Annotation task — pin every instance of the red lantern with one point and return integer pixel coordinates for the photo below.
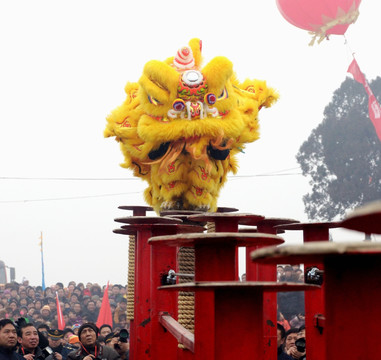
(320, 17)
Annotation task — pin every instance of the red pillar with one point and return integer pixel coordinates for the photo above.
(353, 290)
(314, 304)
(136, 211)
(266, 272)
(241, 310)
(211, 263)
(145, 325)
(142, 316)
(228, 222)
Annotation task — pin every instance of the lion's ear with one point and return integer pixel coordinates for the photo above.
(159, 80)
(196, 46)
(217, 72)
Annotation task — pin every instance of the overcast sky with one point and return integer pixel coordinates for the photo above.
(63, 67)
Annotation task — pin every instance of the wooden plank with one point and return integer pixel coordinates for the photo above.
(313, 225)
(316, 251)
(182, 335)
(240, 239)
(255, 285)
(273, 221)
(147, 220)
(239, 218)
(366, 219)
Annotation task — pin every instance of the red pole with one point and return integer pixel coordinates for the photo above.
(266, 272)
(352, 293)
(163, 259)
(142, 308)
(228, 222)
(141, 343)
(206, 269)
(136, 211)
(314, 304)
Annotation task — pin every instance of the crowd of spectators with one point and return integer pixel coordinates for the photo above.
(79, 303)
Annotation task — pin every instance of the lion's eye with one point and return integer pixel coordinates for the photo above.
(178, 105)
(153, 101)
(224, 94)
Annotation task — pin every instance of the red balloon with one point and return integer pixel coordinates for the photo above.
(321, 17)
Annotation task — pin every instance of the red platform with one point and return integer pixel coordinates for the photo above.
(352, 293)
(236, 329)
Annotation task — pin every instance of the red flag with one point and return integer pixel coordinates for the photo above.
(373, 105)
(61, 321)
(105, 315)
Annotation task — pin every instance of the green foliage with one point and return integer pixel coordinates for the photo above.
(342, 155)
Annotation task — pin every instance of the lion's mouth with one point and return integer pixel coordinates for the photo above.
(192, 110)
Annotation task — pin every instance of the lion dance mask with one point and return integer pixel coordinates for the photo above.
(181, 127)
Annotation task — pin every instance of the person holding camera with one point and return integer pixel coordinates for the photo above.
(295, 344)
(33, 345)
(90, 349)
(281, 335)
(122, 346)
(300, 342)
(8, 341)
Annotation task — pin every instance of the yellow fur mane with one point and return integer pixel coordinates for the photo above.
(178, 122)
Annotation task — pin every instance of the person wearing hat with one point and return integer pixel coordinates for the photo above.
(55, 337)
(75, 328)
(74, 341)
(46, 313)
(56, 342)
(111, 340)
(90, 349)
(122, 345)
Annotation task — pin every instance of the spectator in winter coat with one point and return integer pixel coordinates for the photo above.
(281, 334)
(29, 340)
(90, 350)
(8, 341)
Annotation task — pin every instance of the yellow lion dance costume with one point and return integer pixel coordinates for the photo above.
(181, 127)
